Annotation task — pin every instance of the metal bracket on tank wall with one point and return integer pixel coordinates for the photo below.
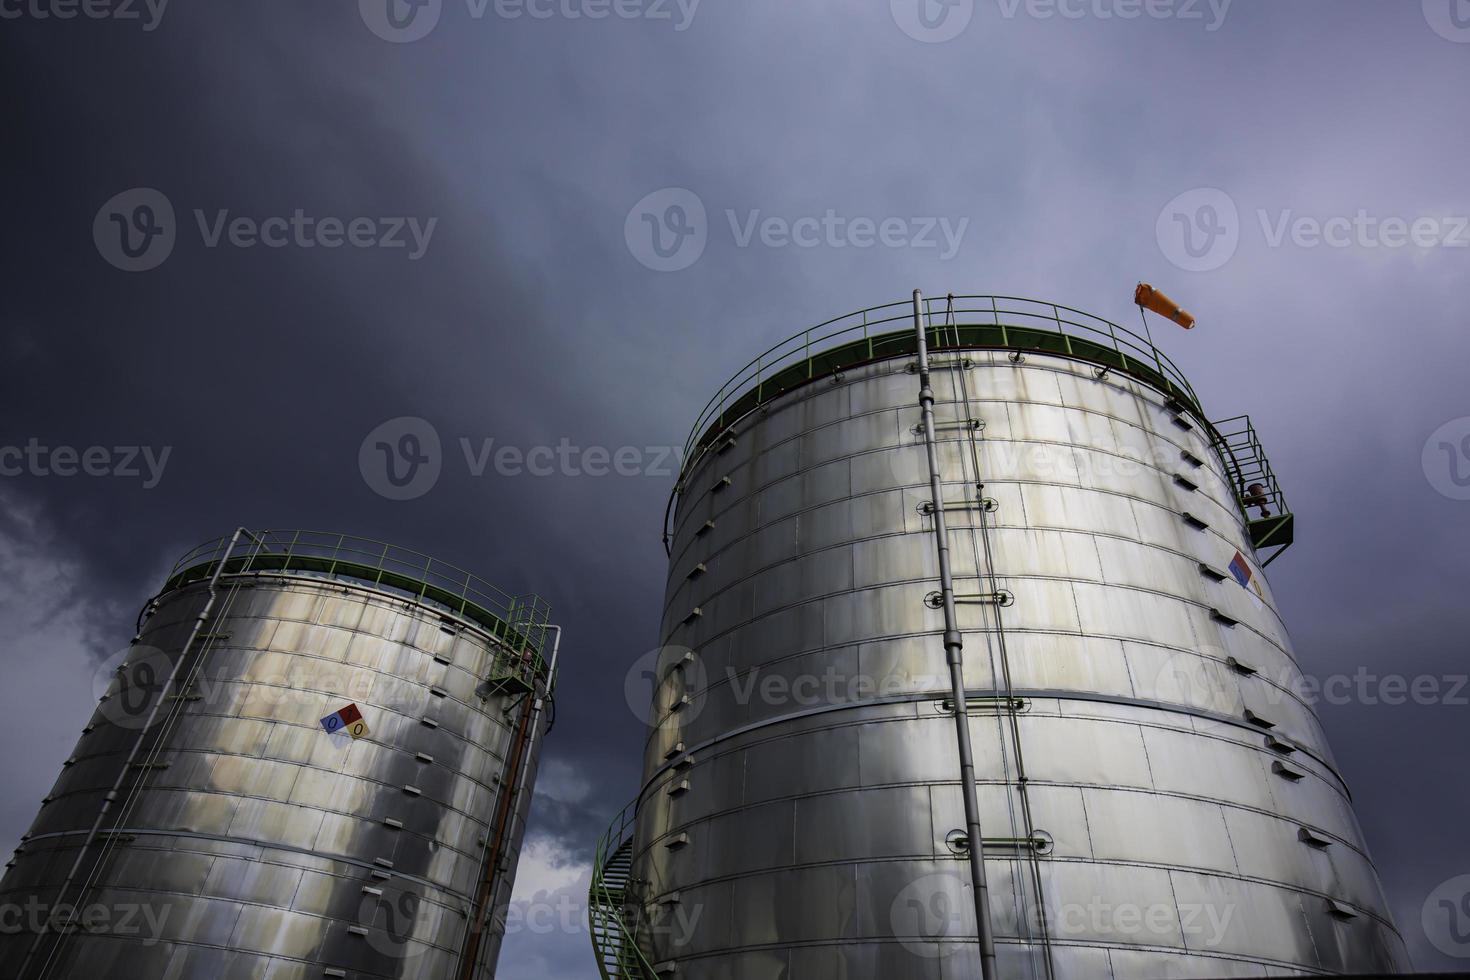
(1041, 842)
(995, 703)
(988, 504)
(1004, 598)
(972, 425)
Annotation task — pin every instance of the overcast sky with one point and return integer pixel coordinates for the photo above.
(1293, 172)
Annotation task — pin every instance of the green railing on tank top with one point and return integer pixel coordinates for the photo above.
(519, 622)
(985, 322)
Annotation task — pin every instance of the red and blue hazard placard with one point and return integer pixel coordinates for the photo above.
(345, 725)
(1246, 576)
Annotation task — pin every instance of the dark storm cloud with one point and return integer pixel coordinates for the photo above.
(528, 320)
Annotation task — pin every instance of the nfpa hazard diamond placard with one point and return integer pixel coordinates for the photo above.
(346, 724)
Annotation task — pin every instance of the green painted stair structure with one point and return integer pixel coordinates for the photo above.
(615, 916)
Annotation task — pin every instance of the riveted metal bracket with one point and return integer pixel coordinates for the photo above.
(1040, 842)
(988, 504)
(935, 363)
(1017, 705)
(1003, 598)
(972, 425)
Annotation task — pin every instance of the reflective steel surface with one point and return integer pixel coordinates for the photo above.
(251, 843)
(1156, 792)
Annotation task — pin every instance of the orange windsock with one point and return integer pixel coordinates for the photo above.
(1150, 298)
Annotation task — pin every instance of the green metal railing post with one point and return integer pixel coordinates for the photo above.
(1056, 315)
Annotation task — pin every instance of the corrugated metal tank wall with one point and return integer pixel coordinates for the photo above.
(802, 784)
(256, 845)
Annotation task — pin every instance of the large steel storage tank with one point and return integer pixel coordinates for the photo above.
(316, 759)
(1155, 793)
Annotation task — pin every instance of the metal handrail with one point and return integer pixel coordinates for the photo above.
(606, 909)
(522, 622)
(1029, 316)
(1251, 464)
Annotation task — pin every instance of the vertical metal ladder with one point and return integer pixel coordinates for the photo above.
(1004, 703)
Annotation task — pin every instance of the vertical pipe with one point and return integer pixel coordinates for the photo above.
(511, 791)
(1148, 333)
(539, 706)
(127, 765)
(954, 653)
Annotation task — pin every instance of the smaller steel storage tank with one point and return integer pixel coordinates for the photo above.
(316, 759)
